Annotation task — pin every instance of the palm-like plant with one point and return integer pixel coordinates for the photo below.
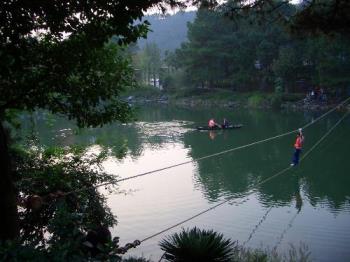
(198, 245)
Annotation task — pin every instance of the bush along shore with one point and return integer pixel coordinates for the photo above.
(207, 245)
(194, 98)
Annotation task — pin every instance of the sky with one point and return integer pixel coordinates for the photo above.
(193, 8)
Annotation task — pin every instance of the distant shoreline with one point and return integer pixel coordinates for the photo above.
(247, 100)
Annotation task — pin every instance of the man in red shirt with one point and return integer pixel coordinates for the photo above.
(297, 146)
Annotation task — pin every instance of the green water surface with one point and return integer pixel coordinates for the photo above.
(308, 204)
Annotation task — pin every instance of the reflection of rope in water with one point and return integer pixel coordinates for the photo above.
(192, 217)
(290, 224)
(256, 227)
(162, 257)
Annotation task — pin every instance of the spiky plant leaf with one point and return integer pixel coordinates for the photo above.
(198, 245)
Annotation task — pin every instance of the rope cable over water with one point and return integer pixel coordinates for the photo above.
(215, 154)
(289, 225)
(249, 192)
(253, 188)
(324, 136)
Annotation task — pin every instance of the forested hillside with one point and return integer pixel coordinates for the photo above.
(249, 54)
(167, 32)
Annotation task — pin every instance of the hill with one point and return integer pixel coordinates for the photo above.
(168, 32)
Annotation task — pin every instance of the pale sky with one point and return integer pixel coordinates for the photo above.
(193, 8)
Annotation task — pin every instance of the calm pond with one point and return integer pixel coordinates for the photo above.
(308, 204)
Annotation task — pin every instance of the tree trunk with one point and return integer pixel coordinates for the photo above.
(9, 226)
(154, 80)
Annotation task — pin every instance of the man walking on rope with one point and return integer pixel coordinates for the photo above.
(298, 146)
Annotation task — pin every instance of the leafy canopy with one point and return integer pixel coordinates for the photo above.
(53, 55)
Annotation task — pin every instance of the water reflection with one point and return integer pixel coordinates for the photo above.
(232, 174)
(165, 136)
(235, 172)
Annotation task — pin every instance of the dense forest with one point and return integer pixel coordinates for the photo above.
(250, 53)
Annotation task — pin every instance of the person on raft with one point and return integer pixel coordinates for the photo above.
(225, 124)
(212, 124)
(297, 147)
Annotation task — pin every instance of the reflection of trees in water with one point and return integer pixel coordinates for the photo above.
(54, 130)
(118, 138)
(218, 174)
(235, 172)
(328, 183)
(281, 190)
(324, 171)
(169, 113)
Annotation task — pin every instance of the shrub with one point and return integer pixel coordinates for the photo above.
(255, 100)
(59, 222)
(300, 253)
(197, 245)
(279, 85)
(276, 101)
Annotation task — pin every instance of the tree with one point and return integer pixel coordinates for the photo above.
(322, 16)
(55, 226)
(208, 53)
(310, 17)
(287, 66)
(223, 53)
(151, 62)
(330, 62)
(253, 48)
(53, 55)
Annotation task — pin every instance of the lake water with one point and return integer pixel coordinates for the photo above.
(308, 204)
